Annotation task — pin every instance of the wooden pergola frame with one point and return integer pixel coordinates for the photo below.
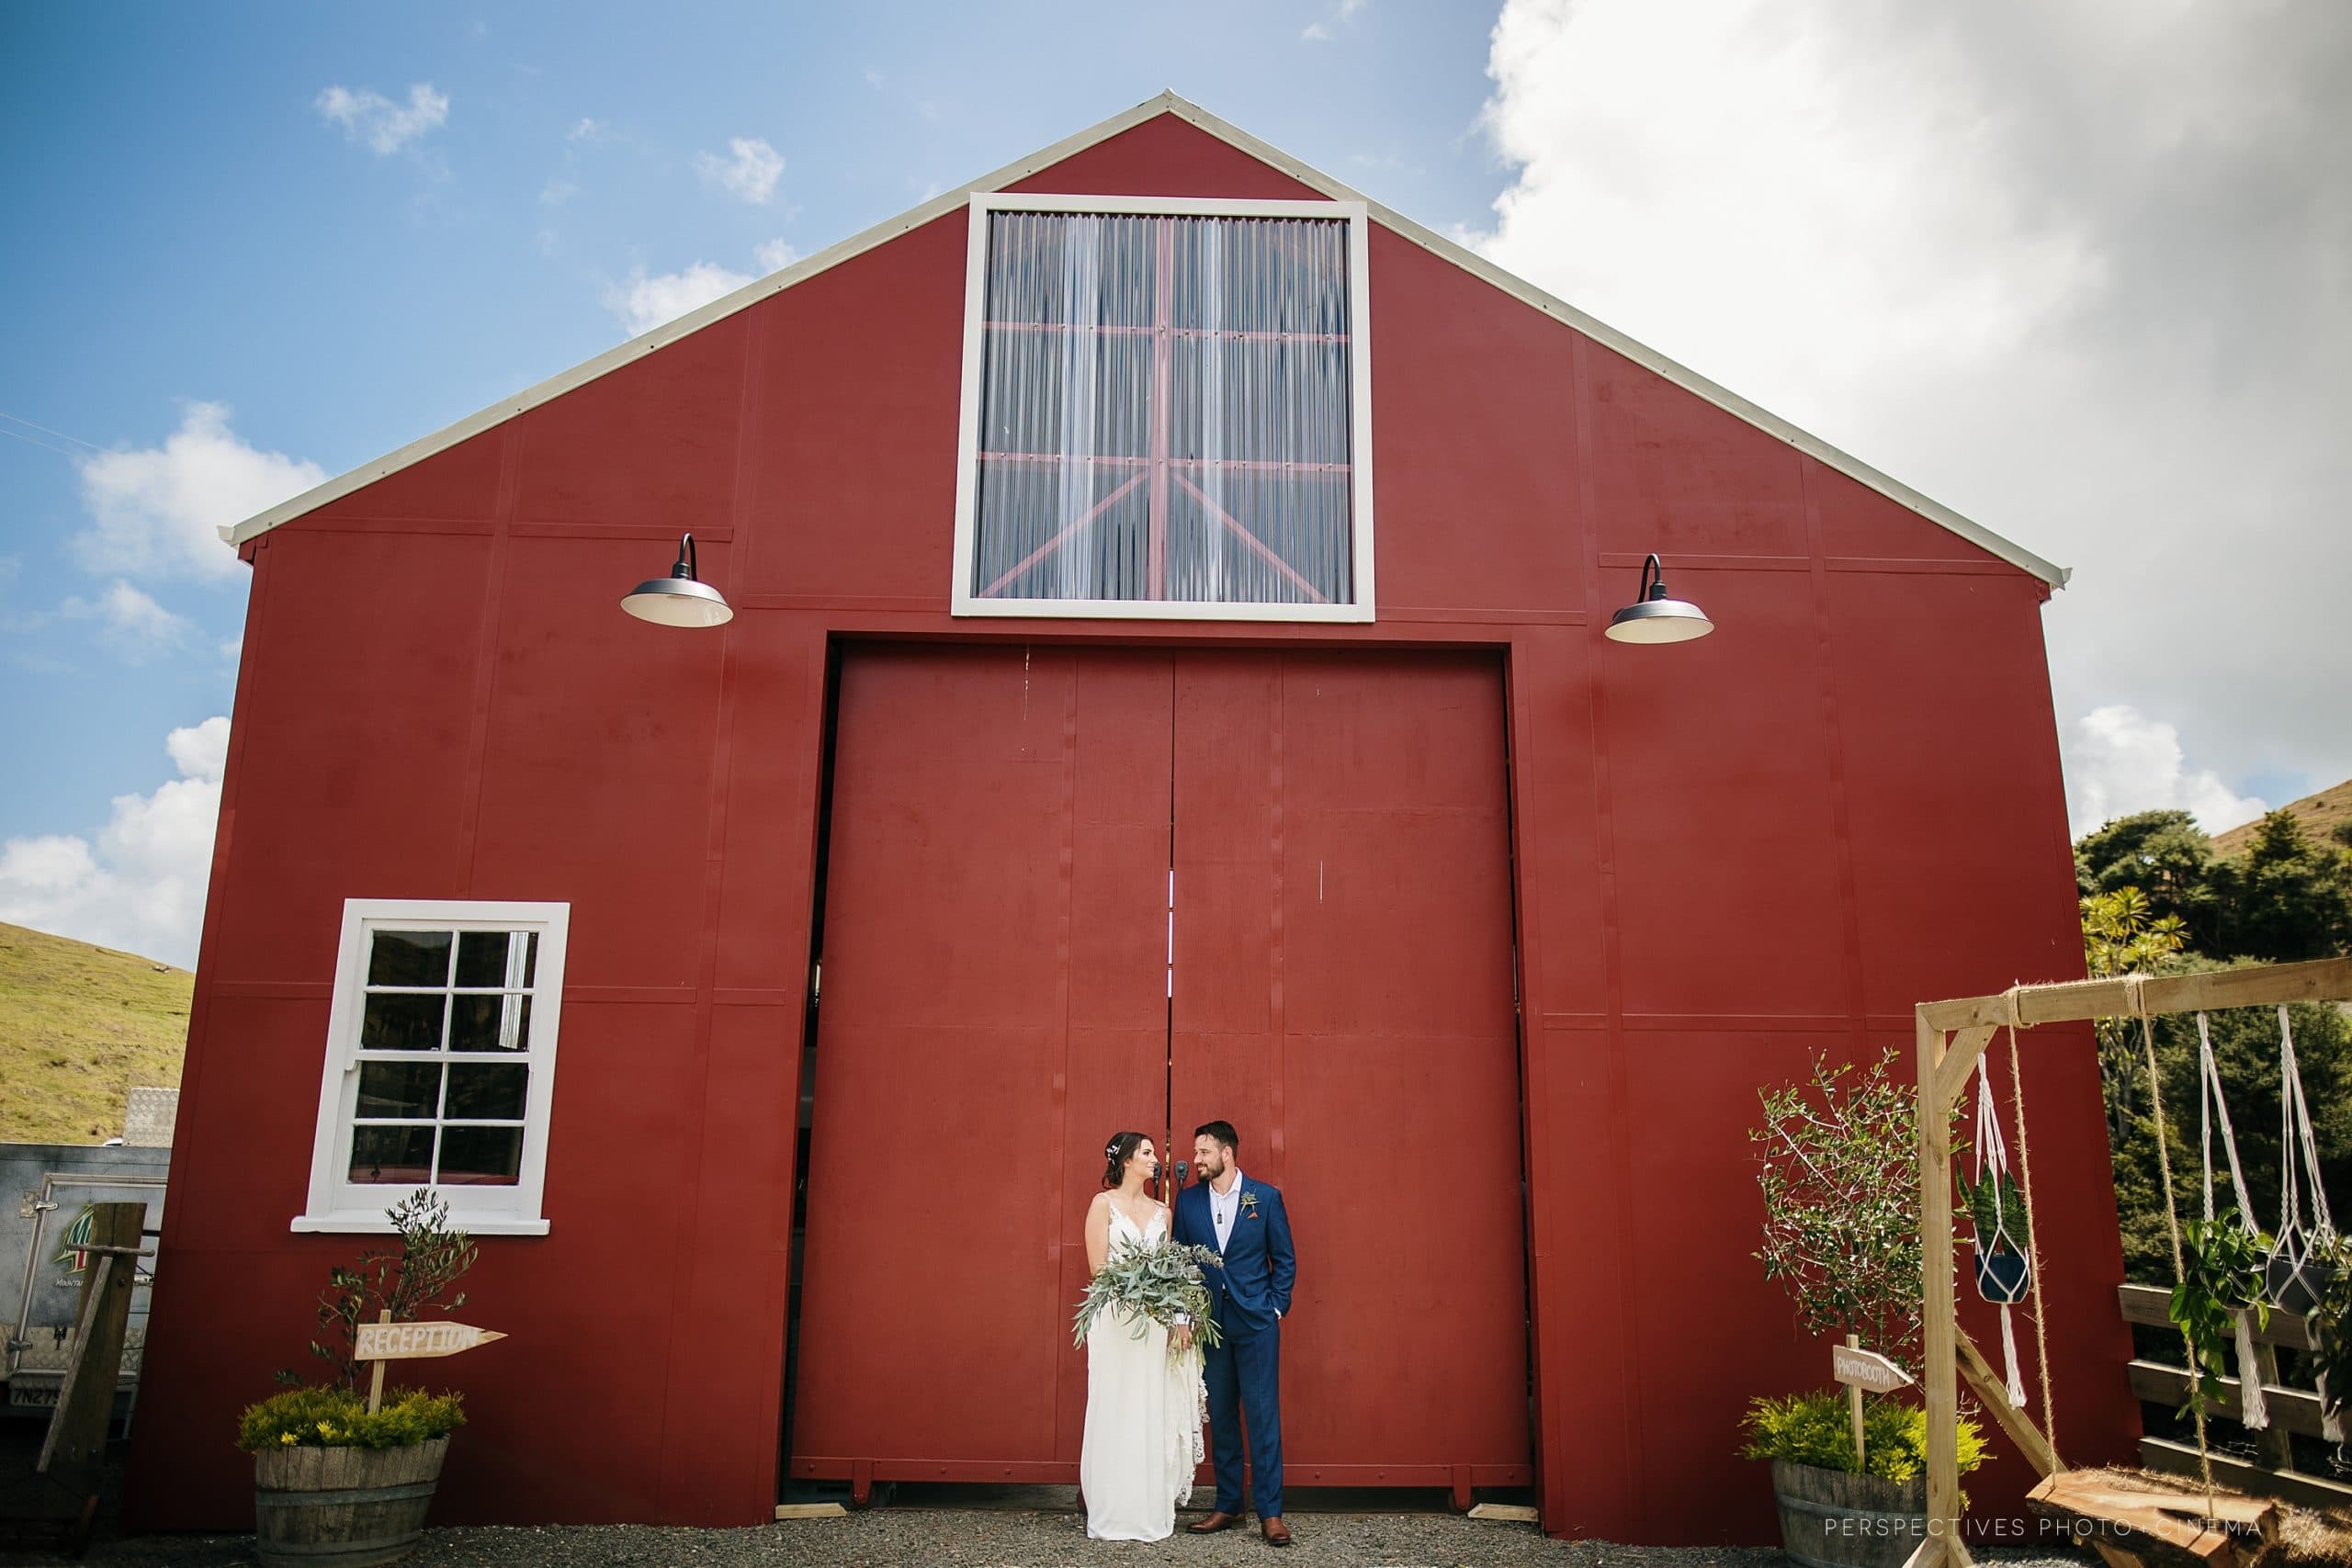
(1953, 1036)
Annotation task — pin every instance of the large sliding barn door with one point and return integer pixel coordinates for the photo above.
(994, 1005)
(997, 1000)
(1343, 996)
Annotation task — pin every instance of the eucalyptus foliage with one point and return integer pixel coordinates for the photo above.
(1839, 1165)
(1152, 1284)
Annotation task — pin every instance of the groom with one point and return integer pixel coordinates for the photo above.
(1243, 1219)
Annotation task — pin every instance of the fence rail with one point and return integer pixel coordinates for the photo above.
(2294, 1411)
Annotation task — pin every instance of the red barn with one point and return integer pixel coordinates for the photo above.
(1065, 741)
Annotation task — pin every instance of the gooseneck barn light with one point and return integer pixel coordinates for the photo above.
(1653, 617)
(682, 599)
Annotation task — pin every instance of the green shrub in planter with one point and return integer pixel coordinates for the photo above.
(334, 1482)
(336, 1417)
(1817, 1429)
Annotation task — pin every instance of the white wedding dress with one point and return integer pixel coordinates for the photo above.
(1145, 1410)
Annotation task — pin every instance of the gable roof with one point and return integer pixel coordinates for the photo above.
(1165, 104)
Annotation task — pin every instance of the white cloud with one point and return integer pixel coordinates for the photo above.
(644, 303)
(749, 176)
(367, 116)
(558, 191)
(2120, 761)
(130, 622)
(776, 255)
(587, 131)
(141, 886)
(156, 511)
(1326, 30)
(2073, 267)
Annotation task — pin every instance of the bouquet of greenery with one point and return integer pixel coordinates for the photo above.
(1154, 1284)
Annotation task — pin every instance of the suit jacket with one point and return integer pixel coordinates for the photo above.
(1260, 1267)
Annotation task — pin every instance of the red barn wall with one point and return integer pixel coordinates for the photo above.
(1732, 855)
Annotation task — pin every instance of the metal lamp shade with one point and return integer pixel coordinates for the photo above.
(678, 602)
(681, 599)
(1657, 618)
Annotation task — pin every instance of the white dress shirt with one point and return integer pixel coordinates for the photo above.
(1223, 1207)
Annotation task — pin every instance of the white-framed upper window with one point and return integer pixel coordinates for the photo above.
(1167, 410)
(440, 1063)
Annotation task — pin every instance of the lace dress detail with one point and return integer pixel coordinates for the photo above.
(1145, 1414)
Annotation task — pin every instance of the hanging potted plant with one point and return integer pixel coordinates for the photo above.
(1838, 1166)
(333, 1479)
(2004, 1246)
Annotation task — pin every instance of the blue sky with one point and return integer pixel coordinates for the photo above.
(260, 244)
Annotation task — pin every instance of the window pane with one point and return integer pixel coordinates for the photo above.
(481, 1156)
(393, 1155)
(487, 1091)
(492, 960)
(490, 1023)
(400, 1021)
(481, 959)
(1188, 436)
(407, 1090)
(408, 958)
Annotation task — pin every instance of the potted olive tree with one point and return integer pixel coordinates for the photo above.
(1838, 1166)
(335, 1480)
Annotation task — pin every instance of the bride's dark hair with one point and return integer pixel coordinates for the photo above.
(1116, 1153)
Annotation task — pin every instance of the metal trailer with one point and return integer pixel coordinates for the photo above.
(46, 1190)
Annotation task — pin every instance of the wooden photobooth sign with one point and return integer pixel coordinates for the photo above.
(384, 1340)
(1859, 1369)
(1866, 1369)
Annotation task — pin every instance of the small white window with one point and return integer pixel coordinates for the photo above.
(1167, 410)
(440, 1063)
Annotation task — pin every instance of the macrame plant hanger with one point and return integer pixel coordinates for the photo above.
(2252, 1413)
(2004, 1267)
(2293, 1272)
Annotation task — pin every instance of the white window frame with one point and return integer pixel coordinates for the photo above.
(337, 1205)
(1358, 218)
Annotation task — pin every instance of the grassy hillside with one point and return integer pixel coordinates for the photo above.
(79, 1026)
(2318, 813)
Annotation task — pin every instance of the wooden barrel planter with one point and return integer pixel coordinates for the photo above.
(1832, 1520)
(346, 1506)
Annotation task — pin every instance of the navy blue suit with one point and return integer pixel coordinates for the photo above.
(1244, 1373)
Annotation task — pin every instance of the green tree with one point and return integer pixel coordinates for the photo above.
(2164, 855)
(2289, 898)
(1838, 1161)
(2121, 935)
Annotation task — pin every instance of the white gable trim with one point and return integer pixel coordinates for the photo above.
(1315, 179)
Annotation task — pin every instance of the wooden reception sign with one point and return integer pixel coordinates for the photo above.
(1866, 1369)
(401, 1341)
(384, 1340)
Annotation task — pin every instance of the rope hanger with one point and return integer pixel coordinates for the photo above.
(2006, 1282)
(2253, 1412)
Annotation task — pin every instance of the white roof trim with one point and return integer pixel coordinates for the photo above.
(1166, 102)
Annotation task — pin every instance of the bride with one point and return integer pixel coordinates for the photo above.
(1145, 1397)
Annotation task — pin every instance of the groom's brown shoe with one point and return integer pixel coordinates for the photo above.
(1277, 1532)
(1214, 1523)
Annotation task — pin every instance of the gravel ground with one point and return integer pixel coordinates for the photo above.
(959, 1537)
